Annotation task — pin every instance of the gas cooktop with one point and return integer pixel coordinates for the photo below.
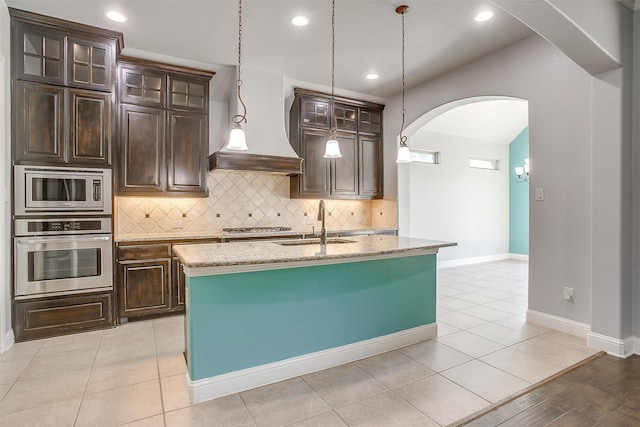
(256, 229)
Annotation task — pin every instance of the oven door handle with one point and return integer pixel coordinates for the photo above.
(76, 238)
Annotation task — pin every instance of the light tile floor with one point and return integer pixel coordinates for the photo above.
(134, 375)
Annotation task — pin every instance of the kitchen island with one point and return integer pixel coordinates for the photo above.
(259, 312)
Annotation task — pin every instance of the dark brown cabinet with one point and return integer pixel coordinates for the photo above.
(59, 125)
(63, 75)
(62, 315)
(177, 279)
(344, 171)
(186, 160)
(39, 53)
(143, 280)
(141, 165)
(90, 64)
(371, 165)
(90, 126)
(39, 122)
(358, 173)
(149, 280)
(163, 129)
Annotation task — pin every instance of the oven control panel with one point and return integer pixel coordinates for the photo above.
(31, 227)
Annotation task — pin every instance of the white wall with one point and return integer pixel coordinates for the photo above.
(559, 95)
(612, 193)
(6, 334)
(581, 146)
(636, 175)
(451, 201)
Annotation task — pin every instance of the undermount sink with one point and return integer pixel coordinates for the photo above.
(313, 242)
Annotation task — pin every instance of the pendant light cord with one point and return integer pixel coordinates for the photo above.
(240, 118)
(334, 128)
(403, 138)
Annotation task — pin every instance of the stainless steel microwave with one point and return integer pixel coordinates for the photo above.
(62, 190)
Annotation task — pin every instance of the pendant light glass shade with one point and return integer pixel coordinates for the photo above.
(404, 155)
(237, 140)
(332, 150)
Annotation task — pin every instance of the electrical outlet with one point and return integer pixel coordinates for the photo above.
(568, 294)
(177, 224)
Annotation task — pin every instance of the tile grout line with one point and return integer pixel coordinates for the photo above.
(246, 408)
(86, 384)
(155, 345)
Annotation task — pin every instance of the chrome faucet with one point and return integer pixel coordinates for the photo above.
(323, 230)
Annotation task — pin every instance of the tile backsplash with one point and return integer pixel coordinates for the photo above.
(246, 199)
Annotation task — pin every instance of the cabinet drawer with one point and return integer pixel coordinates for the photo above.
(74, 313)
(140, 252)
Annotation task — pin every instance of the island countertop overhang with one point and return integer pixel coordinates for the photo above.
(222, 258)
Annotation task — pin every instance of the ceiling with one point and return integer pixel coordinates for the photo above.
(440, 35)
(497, 121)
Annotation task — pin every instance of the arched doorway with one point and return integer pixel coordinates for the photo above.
(469, 195)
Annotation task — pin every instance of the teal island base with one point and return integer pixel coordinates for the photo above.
(250, 328)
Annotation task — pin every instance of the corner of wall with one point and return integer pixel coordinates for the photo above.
(6, 333)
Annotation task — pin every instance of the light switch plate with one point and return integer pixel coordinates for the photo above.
(539, 194)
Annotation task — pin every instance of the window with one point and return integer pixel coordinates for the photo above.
(425, 156)
(490, 164)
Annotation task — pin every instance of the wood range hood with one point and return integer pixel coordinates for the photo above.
(269, 147)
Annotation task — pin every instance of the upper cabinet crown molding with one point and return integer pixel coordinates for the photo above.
(68, 26)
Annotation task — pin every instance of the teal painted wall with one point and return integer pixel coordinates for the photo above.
(241, 320)
(518, 197)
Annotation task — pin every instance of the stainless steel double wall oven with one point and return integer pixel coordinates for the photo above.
(63, 231)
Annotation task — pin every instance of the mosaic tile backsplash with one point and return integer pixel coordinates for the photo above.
(246, 199)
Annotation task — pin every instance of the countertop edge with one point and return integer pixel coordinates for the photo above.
(218, 258)
(228, 268)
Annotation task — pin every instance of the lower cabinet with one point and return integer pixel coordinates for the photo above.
(177, 278)
(149, 280)
(40, 318)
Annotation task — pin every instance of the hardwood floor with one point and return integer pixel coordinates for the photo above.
(605, 391)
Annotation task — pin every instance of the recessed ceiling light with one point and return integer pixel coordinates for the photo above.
(299, 21)
(116, 16)
(372, 76)
(485, 15)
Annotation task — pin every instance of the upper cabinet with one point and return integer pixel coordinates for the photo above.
(63, 84)
(163, 128)
(358, 173)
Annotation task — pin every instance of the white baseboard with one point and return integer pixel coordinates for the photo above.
(636, 345)
(245, 379)
(519, 257)
(559, 323)
(472, 260)
(613, 346)
(9, 340)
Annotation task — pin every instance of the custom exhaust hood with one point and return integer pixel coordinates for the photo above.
(269, 148)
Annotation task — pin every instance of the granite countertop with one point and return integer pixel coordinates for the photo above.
(261, 252)
(222, 235)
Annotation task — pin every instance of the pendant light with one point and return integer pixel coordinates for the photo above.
(332, 149)
(237, 140)
(404, 155)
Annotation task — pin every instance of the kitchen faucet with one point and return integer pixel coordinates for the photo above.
(323, 230)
